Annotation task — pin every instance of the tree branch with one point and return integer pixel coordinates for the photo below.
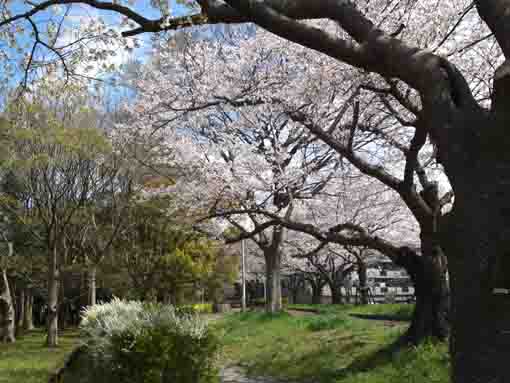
(496, 14)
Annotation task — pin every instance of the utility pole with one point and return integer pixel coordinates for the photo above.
(243, 277)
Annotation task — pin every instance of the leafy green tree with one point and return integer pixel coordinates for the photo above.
(161, 255)
(57, 162)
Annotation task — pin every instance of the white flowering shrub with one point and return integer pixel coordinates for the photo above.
(130, 341)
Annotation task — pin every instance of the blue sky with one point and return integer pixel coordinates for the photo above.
(78, 14)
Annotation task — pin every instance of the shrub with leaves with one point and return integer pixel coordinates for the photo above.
(151, 343)
(197, 308)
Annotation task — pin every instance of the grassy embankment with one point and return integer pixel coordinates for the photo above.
(330, 347)
(30, 361)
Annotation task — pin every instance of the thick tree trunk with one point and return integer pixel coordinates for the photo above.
(363, 287)
(431, 313)
(477, 242)
(53, 289)
(430, 316)
(92, 285)
(7, 316)
(273, 278)
(28, 319)
(473, 147)
(480, 339)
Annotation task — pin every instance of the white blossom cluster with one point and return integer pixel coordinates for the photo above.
(101, 322)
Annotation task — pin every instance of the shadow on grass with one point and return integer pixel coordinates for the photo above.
(382, 357)
(323, 366)
(385, 317)
(328, 348)
(259, 316)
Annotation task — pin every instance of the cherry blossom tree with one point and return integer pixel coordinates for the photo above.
(300, 271)
(325, 266)
(270, 79)
(254, 155)
(269, 170)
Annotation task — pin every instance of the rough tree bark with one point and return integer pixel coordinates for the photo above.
(7, 329)
(53, 290)
(273, 280)
(430, 315)
(476, 234)
(428, 273)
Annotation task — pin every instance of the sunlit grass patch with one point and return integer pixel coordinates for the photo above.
(30, 361)
(329, 347)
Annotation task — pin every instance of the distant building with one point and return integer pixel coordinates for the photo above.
(386, 281)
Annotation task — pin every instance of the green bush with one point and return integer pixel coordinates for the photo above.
(198, 308)
(137, 343)
(258, 302)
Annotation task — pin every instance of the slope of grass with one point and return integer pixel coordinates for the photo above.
(326, 348)
(30, 361)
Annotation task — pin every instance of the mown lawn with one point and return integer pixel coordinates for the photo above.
(329, 347)
(30, 361)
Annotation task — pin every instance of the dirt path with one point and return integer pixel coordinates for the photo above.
(300, 313)
(387, 320)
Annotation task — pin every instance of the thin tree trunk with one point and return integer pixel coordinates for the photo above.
(363, 287)
(53, 290)
(316, 292)
(28, 322)
(295, 296)
(62, 303)
(21, 309)
(336, 294)
(92, 285)
(273, 278)
(295, 283)
(7, 316)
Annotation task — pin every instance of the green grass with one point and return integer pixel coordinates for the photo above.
(30, 361)
(320, 308)
(328, 348)
(400, 310)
